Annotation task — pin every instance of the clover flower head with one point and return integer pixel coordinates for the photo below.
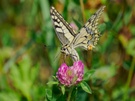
(72, 75)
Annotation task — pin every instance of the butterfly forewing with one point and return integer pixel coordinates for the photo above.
(89, 34)
(63, 30)
(86, 38)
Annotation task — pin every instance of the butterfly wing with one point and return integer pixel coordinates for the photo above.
(89, 34)
(63, 30)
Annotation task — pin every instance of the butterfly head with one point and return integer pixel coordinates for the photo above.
(71, 52)
(64, 50)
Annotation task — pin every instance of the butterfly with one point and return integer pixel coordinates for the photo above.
(86, 38)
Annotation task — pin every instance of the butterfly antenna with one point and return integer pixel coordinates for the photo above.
(57, 56)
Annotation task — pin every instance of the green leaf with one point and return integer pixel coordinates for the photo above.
(123, 40)
(105, 72)
(63, 89)
(127, 16)
(88, 74)
(54, 77)
(108, 25)
(132, 29)
(86, 87)
(74, 93)
(48, 93)
(61, 98)
(131, 47)
(52, 83)
(34, 72)
(102, 27)
(9, 96)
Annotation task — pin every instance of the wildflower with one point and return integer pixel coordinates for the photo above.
(73, 25)
(69, 76)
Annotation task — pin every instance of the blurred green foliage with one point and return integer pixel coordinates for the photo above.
(28, 46)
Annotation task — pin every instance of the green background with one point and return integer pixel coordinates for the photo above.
(29, 49)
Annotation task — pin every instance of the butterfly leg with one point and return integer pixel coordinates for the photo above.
(74, 55)
(65, 57)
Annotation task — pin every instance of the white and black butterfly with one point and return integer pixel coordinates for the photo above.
(86, 38)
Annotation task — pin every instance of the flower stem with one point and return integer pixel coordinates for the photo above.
(69, 95)
(82, 10)
(129, 79)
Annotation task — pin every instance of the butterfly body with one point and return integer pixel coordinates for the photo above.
(70, 50)
(86, 38)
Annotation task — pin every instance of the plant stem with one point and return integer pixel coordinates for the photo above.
(69, 95)
(82, 9)
(129, 79)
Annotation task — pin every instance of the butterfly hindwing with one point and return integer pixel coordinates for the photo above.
(63, 30)
(89, 34)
